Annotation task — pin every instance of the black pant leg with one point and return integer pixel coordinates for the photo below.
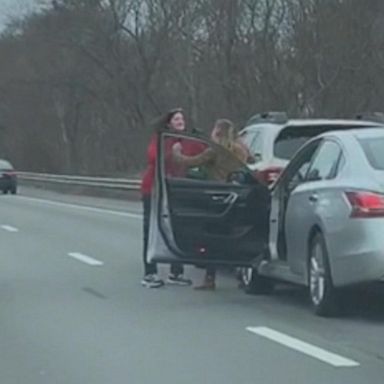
(211, 272)
(177, 269)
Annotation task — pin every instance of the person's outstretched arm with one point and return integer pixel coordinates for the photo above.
(205, 157)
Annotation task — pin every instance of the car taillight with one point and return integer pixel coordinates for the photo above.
(269, 175)
(366, 204)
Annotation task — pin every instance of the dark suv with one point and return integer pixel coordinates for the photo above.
(8, 178)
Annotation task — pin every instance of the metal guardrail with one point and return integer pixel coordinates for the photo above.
(85, 181)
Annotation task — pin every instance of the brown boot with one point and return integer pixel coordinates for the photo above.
(209, 284)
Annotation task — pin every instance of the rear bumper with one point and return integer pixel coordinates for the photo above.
(358, 268)
(357, 255)
(8, 183)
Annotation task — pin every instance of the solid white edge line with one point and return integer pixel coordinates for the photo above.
(82, 207)
(303, 347)
(85, 259)
(9, 228)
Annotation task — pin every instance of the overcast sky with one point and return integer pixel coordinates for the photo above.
(14, 8)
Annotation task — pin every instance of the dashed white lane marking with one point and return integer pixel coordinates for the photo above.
(305, 348)
(85, 259)
(82, 207)
(9, 228)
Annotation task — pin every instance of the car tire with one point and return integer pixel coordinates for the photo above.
(14, 191)
(253, 283)
(5, 191)
(322, 293)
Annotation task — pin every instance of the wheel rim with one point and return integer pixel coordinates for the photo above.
(246, 274)
(317, 275)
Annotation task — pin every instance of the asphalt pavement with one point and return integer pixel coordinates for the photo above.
(73, 311)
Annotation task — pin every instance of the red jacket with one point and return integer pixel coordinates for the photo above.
(189, 148)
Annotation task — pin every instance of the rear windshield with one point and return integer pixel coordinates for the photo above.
(287, 147)
(374, 151)
(5, 165)
(290, 139)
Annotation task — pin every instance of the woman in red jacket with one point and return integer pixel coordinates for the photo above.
(173, 121)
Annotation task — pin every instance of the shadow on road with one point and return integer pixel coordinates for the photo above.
(365, 303)
(362, 303)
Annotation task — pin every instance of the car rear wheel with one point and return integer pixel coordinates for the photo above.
(253, 283)
(5, 191)
(14, 191)
(322, 293)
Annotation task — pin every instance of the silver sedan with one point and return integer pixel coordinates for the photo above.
(327, 217)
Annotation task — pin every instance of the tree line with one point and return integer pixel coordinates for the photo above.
(81, 80)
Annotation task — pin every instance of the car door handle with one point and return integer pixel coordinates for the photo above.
(226, 199)
(314, 198)
(219, 197)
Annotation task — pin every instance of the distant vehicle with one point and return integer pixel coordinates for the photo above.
(8, 178)
(320, 225)
(273, 139)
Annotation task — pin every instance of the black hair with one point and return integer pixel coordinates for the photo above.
(162, 122)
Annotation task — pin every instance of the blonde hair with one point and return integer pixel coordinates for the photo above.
(227, 136)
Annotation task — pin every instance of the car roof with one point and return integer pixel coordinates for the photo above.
(341, 122)
(312, 123)
(5, 164)
(358, 133)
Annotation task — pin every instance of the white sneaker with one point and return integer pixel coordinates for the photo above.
(178, 280)
(152, 281)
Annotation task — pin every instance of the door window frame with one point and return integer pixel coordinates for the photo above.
(287, 175)
(161, 198)
(335, 167)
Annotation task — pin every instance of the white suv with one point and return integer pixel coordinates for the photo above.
(273, 139)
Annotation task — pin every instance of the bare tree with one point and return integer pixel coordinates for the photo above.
(83, 78)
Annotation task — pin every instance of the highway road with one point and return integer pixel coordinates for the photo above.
(73, 311)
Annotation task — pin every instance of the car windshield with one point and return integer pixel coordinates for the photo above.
(373, 149)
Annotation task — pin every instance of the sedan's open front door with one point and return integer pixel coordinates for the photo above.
(207, 207)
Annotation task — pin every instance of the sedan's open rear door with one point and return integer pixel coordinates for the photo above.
(211, 212)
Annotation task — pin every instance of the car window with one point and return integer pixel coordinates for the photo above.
(254, 141)
(373, 149)
(287, 147)
(297, 171)
(291, 138)
(190, 158)
(289, 141)
(325, 163)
